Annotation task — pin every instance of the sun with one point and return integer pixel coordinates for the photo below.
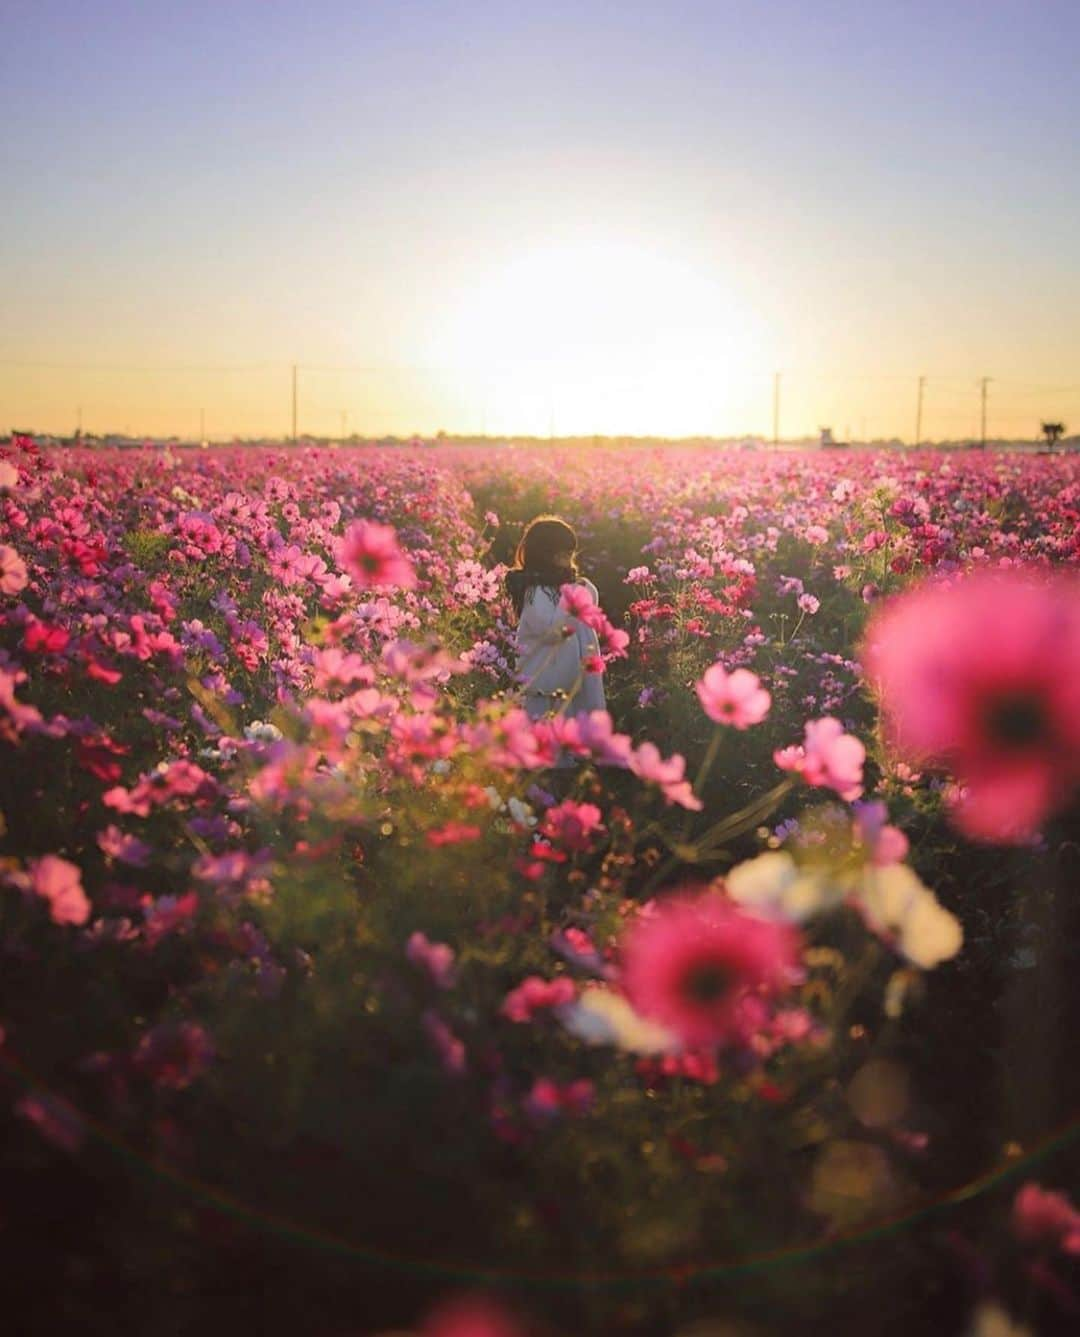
(601, 336)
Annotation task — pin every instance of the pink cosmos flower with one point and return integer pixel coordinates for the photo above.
(534, 995)
(369, 553)
(437, 958)
(577, 600)
(702, 967)
(592, 735)
(670, 775)
(733, 698)
(13, 576)
(984, 678)
(60, 883)
(116, 844)
(1042, 1217)
(572, 825)
(830, 758)
(547, 1099)
(42, 638)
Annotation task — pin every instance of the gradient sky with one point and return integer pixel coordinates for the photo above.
(589, 217)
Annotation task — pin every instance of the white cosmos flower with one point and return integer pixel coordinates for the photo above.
(773, 885)
(600, 1016)
(521, 812)
(896, 903)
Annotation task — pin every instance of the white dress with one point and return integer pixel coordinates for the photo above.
(551, 645)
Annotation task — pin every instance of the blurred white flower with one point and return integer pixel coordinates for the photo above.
(259, 731)
(521, 812)
(602, 1017)
(990, 1320)
(896, 904)
(773, 885)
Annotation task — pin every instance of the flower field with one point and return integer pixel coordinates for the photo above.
(328, 1006)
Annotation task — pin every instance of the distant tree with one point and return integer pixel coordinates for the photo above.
(1052, 431)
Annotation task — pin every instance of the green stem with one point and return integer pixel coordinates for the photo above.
(709, 758)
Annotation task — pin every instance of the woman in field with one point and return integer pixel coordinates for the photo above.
(557, 653)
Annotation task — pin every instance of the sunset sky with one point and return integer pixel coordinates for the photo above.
(571, 217)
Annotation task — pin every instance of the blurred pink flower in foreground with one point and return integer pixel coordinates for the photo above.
(699, 965)
(984, 678)
(829, 757)
(470, 1316)
(1040, 1216)
(369, 553)
(735, 698)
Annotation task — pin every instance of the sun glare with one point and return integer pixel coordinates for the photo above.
(602, 337)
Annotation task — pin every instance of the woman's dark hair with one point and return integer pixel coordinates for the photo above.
(546, 556)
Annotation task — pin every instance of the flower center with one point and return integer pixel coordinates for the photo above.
(1016, 720)
(706, 981)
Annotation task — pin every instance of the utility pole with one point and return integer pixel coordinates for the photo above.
(776, 409)
(78, 429)
(294, 403)
(984, 382)
(344, 422)
(202, 426)
(918, 414)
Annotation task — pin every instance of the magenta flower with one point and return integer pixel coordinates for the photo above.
(829, 757)
(369, 553)
(534, 995)
(984, 678)
(701, 966)
(735, 698)
(1040, 1216)
(572, 825)
(60, 883)
(548, 1099)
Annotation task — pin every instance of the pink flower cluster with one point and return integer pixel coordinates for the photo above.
(828, 757)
